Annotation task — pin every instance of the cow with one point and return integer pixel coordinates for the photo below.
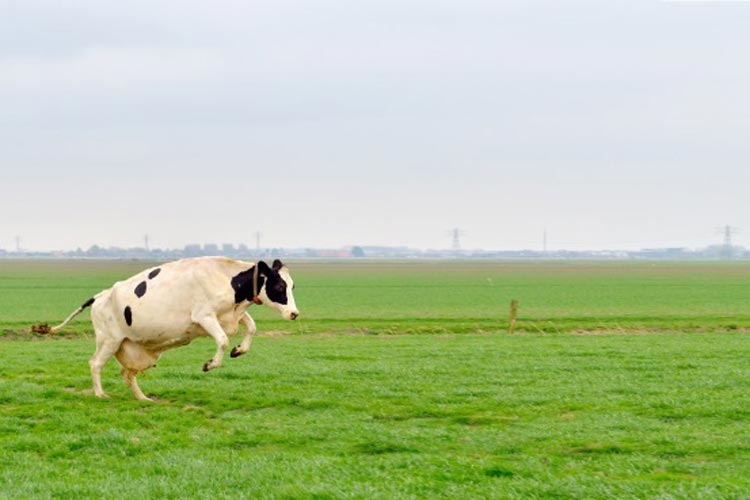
(168, 306)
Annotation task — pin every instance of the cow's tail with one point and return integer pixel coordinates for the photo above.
(45, 328)
(75, 313)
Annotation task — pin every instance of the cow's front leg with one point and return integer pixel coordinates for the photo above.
(214, 329)
(248, 339)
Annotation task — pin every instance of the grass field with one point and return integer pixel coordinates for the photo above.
(353, 404)
(435, 297)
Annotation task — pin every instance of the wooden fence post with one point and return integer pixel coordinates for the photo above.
(513, 314)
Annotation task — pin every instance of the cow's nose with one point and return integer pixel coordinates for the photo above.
(294, 315)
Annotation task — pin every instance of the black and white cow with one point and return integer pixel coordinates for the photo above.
(169, 306)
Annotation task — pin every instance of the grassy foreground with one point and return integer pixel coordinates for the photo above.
(465, 416)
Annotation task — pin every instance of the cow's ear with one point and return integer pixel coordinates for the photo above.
(263, 268)
(277, 265)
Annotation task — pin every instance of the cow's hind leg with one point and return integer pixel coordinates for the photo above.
(248, 339)
(134, 360)
(129, 376)
(106, 346)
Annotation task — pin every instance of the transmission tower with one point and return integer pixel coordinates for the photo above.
(257, 241)
(18, 244)
(727, 249)
(145, 242)
(455, 235)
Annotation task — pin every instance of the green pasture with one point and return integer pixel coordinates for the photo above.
(434, 297)
(626, 380)
(387, 417)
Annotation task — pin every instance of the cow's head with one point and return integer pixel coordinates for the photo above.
(276, 291)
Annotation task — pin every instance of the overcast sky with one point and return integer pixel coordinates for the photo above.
(612, 124)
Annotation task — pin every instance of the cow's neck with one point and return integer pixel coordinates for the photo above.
(242, 284)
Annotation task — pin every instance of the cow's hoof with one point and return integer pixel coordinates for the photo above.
(236, 352)
(205, 366)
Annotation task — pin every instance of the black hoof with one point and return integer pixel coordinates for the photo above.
(205, 366)
(236, 352)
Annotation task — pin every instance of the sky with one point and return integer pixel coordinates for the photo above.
(609, 124)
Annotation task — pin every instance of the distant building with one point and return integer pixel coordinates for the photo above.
(192, 250)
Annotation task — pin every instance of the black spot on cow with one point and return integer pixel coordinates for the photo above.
(87, 303)
(128, 315)
(140, 290)
(153, 274)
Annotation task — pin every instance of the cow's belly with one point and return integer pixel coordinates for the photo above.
(163, 330)
(162, 319)
(168, 331)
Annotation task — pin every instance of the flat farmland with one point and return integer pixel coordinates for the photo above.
(434, 297)
(626, 380)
